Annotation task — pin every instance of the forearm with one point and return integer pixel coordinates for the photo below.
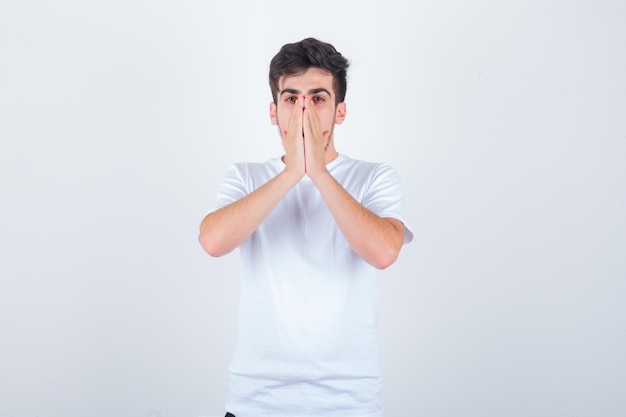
(376, 240)
(225, 229)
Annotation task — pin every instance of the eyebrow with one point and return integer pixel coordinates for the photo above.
(310, 92)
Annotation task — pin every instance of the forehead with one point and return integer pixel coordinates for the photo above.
(310, 79)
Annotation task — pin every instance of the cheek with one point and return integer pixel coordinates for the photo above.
(282, 119)
(327, 119)
(283, 125)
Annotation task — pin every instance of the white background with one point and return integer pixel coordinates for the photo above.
(506, 121)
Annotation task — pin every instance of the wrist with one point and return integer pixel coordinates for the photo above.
(320, 176)
(291, 175)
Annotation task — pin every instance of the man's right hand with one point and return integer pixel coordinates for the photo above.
(293, 140)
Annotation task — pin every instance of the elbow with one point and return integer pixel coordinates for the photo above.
(211, 241)
(385, 259)
(390, 245)
(211, 246)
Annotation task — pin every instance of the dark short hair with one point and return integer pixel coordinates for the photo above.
(296, 58)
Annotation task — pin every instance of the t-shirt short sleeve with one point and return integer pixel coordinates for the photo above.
(232, 188)
(384, 196)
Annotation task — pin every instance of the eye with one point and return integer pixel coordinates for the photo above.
(290, 99)
(319, 99)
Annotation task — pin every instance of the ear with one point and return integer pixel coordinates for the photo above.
(340, 113)
(273, 117)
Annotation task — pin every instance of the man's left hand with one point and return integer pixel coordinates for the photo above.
(315, 141)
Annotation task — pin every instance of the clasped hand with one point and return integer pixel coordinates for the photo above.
(305, 142)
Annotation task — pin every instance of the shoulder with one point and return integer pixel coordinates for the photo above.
(256, 169)
(366, 169)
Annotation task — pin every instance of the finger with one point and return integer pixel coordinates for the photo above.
(309, 124)
(295, 119)
(312, 120)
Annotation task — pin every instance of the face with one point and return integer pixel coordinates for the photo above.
(315, 86)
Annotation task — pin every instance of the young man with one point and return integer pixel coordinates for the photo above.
(312, 227)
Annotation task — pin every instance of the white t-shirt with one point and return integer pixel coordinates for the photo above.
(307, 334)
